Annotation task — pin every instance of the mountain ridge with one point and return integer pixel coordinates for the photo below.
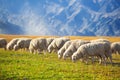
(64, 17)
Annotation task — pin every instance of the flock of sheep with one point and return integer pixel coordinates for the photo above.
(99, 49)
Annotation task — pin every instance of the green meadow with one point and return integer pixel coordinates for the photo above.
(22, 65)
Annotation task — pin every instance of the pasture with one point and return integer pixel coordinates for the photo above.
(22, 65)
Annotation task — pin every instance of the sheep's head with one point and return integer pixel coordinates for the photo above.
(59, 54)
(74, 57)
(66, 54)
(50, 48)
(16, 47)
(9, 47)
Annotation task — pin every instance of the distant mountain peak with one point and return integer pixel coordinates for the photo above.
(61, 17)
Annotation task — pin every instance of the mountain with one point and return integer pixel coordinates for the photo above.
(60, 17)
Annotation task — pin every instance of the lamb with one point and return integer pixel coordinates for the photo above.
(115, 47)
(73, 47)
(90, 50)
(11, 44)
(57, 44)
(22, 44)
(37, 45)
(3, 43)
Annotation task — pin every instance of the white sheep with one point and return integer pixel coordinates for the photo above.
(37, 45)
(3, 43)
(48, 42)
(15, 47)
(115, 47)
(11, 44)
(64, 47)
(56, 44)
(107, 47)
(90, 50)
(73, 47)
(22, 44)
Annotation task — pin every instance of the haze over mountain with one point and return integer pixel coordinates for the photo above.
(60, 17)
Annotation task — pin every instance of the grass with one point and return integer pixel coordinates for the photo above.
(21, 65)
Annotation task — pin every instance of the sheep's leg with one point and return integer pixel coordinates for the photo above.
(44, 52)
(86, 60)
(110, 58)
(82, 60)
(31, 51)
(39, 51)
(92, 58)
(35, 51)
(104, 60)
(100, 60)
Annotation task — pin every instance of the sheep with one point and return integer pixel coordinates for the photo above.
(22, 44)
(15, 47)
(90, 49)
(56, 44)
(48, 42)
(100, 40)
(64, 47)
(115, 47)
(37, 45)
(3, 43)
(73, 47)
(107, 47)
(11, 44)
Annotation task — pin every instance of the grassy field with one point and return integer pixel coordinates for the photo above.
(25, 66)
(21, 65)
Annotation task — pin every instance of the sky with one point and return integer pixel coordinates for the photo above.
(60, 17)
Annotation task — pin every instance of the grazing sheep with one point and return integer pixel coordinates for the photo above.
(64, 47)
(108, 52)
(56, 44)
(48, 42)
(3, 43)
(11, 44)
(73, 47)
(107, 47)
(37, 45)
(15, 47)
(90, 50)
(22, 44)
(115, 47)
